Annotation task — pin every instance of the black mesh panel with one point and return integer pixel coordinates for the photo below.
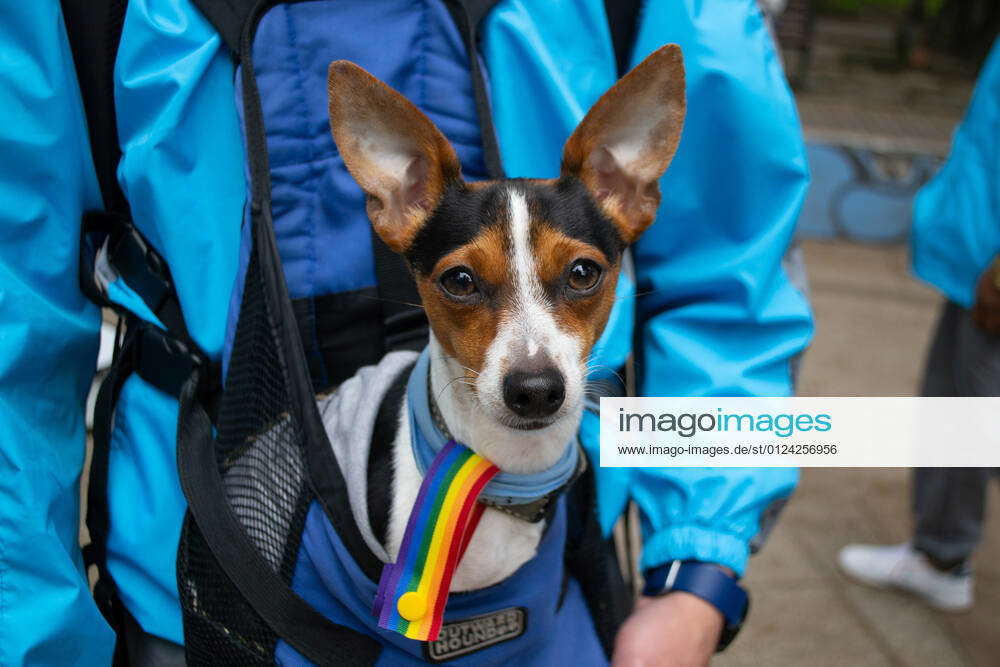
(259, 450)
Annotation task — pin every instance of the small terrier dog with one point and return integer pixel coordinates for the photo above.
(517, 276)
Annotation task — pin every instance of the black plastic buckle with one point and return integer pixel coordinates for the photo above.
(129, 254)
(141, 266)
(162, 360)
(167, 362)
(96, 228)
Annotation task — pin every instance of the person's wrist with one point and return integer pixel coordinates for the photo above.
(713, 585)
(699, 612)
(706, 612)
(678, 628)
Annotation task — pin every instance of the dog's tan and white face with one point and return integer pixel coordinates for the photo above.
(517, 276)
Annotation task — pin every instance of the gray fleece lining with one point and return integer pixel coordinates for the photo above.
(349, 419)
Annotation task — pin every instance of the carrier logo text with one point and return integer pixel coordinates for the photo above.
(473, 634)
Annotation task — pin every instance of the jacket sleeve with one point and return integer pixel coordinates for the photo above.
(956, 217)
(717, 315)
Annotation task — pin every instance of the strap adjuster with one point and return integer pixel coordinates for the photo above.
(163, 360)
(129, 241)
(135, 260)
(112, 247)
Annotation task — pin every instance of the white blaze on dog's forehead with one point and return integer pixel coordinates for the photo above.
(525, 276)
(530, 328)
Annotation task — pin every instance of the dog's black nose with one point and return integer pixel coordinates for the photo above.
(534, 394)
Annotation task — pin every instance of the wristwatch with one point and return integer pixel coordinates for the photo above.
(709, 582)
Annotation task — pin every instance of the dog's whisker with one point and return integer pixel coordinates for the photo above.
(592, 368)
(461, 378)
(445, 358)
(380, 298)
(636, 295)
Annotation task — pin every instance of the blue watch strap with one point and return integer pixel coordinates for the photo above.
(705, 580)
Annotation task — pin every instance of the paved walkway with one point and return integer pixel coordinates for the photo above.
(873, 324)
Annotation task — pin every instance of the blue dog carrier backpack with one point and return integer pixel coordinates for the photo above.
(318, 296)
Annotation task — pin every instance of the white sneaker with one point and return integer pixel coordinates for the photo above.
(900, 566)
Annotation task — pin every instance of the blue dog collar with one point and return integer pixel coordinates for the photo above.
(504, 489)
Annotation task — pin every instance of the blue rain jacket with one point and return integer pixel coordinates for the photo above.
(956, 217)
(48, 346)
(718, 315)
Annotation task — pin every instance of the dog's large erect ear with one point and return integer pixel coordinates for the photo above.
(395, 153)
(626, 141)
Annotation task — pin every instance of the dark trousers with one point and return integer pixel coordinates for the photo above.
(948, 503)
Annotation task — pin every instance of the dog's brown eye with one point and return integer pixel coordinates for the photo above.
(583, 275)
(459, 282)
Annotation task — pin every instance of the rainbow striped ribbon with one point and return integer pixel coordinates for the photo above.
(413, 591)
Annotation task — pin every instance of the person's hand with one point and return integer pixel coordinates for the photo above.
(676, 630)
(986, 309)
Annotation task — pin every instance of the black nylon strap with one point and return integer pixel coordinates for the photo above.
(228, 17)
(167, 362)
(135, 261)
(623, 23)
(147, 274)
(269, 595)
(94, 28)
(306, 630)
(98, 518)
(164, 363)
(467, 14)
(95, 228)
